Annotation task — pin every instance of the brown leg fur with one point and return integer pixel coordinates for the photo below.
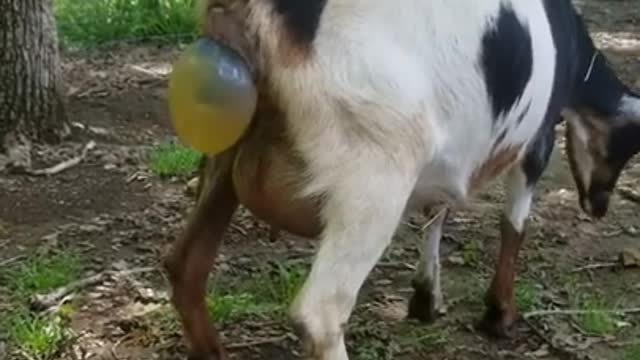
(501, 308)
(194, 254)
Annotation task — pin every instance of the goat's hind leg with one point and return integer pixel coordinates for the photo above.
(361, 213)
(195, 251)
(427, 302)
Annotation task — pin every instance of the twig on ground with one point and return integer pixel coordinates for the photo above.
(11, 260)
(567, 354)
(396, 265)
(65, 164)
(239, 229)
(619, 344)
(25, 354)
(52, 298)
(595, 267)
(542, 313)
(629, 195)
(114, 348)
(262, 341)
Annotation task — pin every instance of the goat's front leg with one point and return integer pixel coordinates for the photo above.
(501, 310)
(427, 301)
(361, 212)
(194, 253)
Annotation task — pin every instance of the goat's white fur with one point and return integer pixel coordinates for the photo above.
(391, 113)
(519, 199)
(428, 271)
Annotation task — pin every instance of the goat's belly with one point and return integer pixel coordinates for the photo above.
(264, 178)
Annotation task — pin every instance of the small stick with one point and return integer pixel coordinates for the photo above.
(568, 354)
(396, 265)
(11, 260)
(65, 164)
(542, 313)
(25, 354)
(53, 298)
(239, 229)
(629, 195)
(264, 341)
(594, 267)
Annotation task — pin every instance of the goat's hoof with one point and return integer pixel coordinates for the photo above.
(425, 308)
(210, 356)
(214, 352)
(499, 323)
(424, 305)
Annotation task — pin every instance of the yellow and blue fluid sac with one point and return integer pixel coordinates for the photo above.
(212, 96)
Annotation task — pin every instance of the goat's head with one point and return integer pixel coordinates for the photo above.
(212, 88)
(599, 147)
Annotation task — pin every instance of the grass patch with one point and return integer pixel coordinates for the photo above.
(633, 353)
(269, 294)
(283, 283)
(527, 295)
(38, 336)
(40, 273)
(174, 159)
(596, 322)
(89, 23)
(472, 252)
(235, 306)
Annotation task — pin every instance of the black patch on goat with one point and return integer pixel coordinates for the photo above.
(565, 30)
(507, 60)
(301, 18)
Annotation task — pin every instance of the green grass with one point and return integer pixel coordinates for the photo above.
(527, 295)
(632, 353)
(234, 306)
(472, 252)
(173, 159)
(39, 273)
(268, 294)
(38, 336)
(283, 283)
(90, 23)
(595, 322)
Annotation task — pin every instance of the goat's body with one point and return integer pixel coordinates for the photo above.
(387, 108)
(373, 80)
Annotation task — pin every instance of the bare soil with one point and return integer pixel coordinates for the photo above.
(111, 209)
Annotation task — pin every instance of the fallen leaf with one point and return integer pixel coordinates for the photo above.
(540, 353)
(192, 186)
(456, 260)
(630, 257)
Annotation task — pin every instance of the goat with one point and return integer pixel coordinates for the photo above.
(370, 110)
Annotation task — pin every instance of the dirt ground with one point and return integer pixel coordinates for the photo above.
(112, 210)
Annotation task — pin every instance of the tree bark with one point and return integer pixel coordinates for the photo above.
(31, 95)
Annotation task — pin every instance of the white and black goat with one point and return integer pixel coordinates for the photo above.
(372, 109)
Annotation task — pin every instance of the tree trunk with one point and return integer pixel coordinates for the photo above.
(31, 100)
